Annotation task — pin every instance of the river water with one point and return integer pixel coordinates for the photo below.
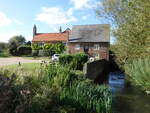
(127, 99)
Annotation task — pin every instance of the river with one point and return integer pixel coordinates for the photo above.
(127, 99)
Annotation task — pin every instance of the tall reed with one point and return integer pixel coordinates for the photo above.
(139, 72)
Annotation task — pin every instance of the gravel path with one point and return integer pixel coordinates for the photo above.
(16, 60)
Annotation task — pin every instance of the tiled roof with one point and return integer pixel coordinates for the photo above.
(90, 33)
(50, 37)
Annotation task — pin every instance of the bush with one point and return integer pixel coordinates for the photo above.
(139, 72)
(80, 59)
(75, 61)
(35, 47)
(14, 43)
(48, 47)
(59, 48)
(65, 59)
(24, 50)
(4, 53)
(55, 48)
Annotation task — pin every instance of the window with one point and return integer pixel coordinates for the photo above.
(96, 55)
(77, 46)
(96, 47)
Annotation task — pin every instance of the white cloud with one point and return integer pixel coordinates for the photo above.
(70, 12)
(4, 20)
(29, 38)
(85, 17)
(79, 4)
(56, 15)
(4, 37)
(98, 4)
(17, 22)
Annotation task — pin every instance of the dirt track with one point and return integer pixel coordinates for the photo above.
(16, 60)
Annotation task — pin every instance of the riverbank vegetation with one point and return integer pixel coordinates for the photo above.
(139, 72)
(51, 88)
(131, 28)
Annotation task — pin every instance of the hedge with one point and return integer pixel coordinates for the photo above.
(24, 50)
(75, 61)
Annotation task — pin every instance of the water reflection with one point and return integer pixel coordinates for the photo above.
(116, 82)
(127, 99)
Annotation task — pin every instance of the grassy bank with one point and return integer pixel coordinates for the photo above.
(51, 89)
(139, 73)
(26, 67)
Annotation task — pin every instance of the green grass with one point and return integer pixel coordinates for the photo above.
(139, 72)
(28, 67)
(36, 58)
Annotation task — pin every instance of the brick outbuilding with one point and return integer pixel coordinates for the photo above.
(91, 39)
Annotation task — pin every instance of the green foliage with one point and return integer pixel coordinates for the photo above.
(28, 43)
(80, 59)
(65, 59)
(131, 20)
(56, 48)
(51, 89)
(139, 72)
(132, 26)
(79, 92)
(49, 49)
(15, 42)
(35, 46)
(3, 46)
(4, 53)
(87, 96)
(24, 50)
(59, 48)
(4, 50)
(75, 61)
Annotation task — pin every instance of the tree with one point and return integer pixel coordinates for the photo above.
(28, 43)
(15, 42)
(131, 19)
(3, 46)
(59, 48)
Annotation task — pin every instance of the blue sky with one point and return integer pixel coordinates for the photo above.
(17, 17)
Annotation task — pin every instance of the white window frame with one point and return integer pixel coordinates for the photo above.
(96, 55)
(96, 46)
(77, 47)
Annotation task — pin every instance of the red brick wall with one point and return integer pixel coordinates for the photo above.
(103, 51)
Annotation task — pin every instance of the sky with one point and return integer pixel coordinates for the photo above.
(17, 17)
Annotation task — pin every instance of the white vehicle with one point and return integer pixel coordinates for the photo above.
(55, 57)
(91, 59)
